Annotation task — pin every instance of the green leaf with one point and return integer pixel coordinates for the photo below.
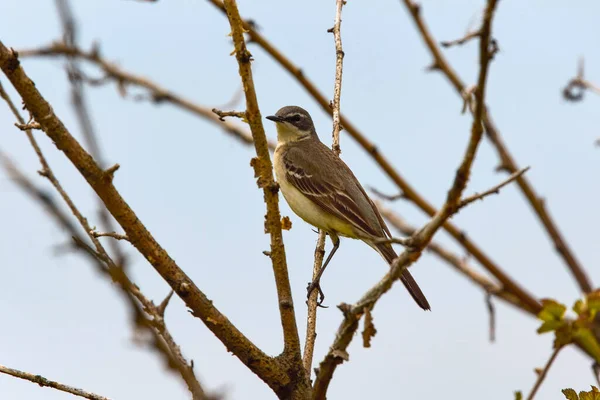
(570, 394)
(550, 326)
(579, 307)
(593, 302)
(552, 310)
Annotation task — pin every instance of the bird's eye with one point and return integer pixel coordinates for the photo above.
(295, 118)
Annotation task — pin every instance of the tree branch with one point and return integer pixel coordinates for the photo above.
(263, 169)
(455, 261)
(124, 78)
(352, 314)
(40, 380)
(162, 339)
(506, 163)
(408, 191)
(264, 366)
(311, 321)
(543, 374)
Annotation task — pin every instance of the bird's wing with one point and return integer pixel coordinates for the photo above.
(336, 194)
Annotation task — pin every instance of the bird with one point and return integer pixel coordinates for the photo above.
(322, 190)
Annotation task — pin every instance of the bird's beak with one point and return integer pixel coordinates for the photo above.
(274, 118)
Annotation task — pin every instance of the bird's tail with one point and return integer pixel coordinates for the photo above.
(409, 282)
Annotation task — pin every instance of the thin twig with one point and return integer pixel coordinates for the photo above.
(311, 318)
(409, 192)
(223, 114)
(493, 190)
(577, 86)
(422, 237)
(455, 261)
(462, 40)
(123, 78)
(264, 366)
(507, 163)
(113, 235)
(492, 316)
(337, 89)
(40, 380)
(543, 374)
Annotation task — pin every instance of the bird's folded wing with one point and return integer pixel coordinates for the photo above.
(327, 191)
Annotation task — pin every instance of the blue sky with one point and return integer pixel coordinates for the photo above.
(193, 188)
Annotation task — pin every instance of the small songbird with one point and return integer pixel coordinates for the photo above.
(322, 190)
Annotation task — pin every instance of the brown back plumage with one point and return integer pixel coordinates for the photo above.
(323, 178)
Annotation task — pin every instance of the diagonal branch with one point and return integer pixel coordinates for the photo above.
(409, 192)
(162, 339)
(40, 380)
(455, 261)
(264, 366)
(506, 159)
(352, 314)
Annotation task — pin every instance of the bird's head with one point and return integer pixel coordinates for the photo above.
(293, 124)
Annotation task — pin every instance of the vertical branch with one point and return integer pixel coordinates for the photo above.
(311, 321)
(311, 318)
(263, 169)
(337, 89)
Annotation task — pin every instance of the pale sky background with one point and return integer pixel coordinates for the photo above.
(192, 186)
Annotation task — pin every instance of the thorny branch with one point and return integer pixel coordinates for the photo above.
(352, 314)
(311, 320)
(162, 339)
(264, 366)
(40, 380)
(408, 191)
(508, 164)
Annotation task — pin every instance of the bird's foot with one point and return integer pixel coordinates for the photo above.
(321, 296)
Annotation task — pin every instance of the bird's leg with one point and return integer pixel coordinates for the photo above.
(315, 284)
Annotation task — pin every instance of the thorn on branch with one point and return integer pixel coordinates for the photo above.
(28, 126)
(109, 173)
(462, 40)
(163, 305)
(267, 253)
(114, 235)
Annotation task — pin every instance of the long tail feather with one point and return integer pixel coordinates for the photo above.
(409, 282)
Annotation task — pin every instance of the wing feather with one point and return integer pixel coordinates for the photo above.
(330, 195)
